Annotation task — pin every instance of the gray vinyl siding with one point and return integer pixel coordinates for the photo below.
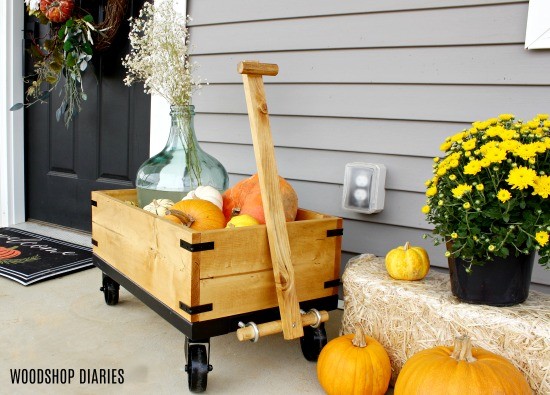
(381, 82)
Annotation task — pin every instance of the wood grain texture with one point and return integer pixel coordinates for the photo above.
(235, 277)
(235, 254)
(256, 68)
(254, 291)
(146, 249)
(273, 206)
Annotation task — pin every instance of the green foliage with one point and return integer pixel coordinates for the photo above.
(63, 56)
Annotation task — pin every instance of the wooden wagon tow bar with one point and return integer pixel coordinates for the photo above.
(292, 318)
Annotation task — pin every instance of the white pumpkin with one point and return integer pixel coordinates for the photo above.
(206, 193)
(159, 206)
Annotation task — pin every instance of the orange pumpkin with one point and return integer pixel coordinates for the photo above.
(8, 253)
(354, 364)
(57, 10)
(198, 214)
(245, 198)
(460, 370)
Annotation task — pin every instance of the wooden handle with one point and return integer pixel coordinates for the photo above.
(268, 177)
(257, 68)
(273, 327)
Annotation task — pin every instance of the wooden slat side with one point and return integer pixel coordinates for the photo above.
(195, 274)
(256, 291)
(121, 194)
(146, 249)
(234, 253)
(153, 269)
(338, 248)
(136, 223)
(304, 215)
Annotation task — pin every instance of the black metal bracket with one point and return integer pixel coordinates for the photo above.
(94, 242)
(197, 246)
(94, 203)
(335, 232)
(203, 308)
(333, 283)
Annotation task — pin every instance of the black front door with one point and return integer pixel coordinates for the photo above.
(102, 148)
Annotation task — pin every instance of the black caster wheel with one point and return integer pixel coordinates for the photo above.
(110, 290)
(197, 367)
(313, 341)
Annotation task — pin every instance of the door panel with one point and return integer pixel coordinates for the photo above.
(103, 146)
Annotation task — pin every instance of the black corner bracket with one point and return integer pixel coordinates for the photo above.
(335, 232)
(197, 246)
(333, 283)
(203, 308)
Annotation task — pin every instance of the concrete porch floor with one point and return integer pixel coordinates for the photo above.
(64, 323)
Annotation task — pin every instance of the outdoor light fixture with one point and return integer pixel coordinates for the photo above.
(364, 185)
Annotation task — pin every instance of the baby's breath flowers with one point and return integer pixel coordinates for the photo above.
(490, 194)
(159, 55)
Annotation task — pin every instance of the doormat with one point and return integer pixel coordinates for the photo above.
(27, 257)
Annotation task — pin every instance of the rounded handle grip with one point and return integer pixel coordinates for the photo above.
(257, 68)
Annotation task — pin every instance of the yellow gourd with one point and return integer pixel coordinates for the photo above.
(242, 220)
(407, 262)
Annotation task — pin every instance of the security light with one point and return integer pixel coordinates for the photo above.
(364, 187)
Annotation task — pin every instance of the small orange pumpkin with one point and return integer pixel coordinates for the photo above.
(354, 364)
(245, 198)
(460, 370)
(198, 214)
(57, 10)
(8, 253)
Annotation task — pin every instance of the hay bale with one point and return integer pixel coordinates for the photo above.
(409, 316)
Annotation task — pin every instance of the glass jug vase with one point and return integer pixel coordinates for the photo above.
(181, 166)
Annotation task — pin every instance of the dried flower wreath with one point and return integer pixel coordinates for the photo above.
(72, 39)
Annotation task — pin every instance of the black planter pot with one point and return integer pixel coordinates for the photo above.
(501, 282)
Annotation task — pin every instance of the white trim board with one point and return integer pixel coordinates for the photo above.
(12, 163)
(537, 35)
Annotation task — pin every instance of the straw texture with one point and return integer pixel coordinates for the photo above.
(409, 316)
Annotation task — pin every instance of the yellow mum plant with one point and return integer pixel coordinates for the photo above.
(490, 190)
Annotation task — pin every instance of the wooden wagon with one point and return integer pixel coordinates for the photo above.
(254, 280)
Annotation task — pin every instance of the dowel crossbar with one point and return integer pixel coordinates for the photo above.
(274, 327)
